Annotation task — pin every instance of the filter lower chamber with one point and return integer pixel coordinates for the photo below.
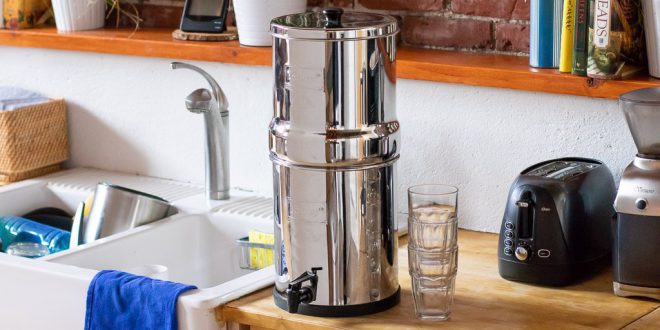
(342, 223)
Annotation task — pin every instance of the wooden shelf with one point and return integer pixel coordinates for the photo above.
(146, 43)
(505, 71)
(442, 66)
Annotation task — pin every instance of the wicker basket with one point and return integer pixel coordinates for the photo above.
(33, 141)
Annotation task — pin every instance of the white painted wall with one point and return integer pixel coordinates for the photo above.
(127, 114)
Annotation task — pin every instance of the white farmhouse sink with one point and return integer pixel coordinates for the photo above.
(26, 196)
(197, 249)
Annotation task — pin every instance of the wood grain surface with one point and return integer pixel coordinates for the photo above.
(648, 321)
(490, 70)
(229, 34)
(507, 72)
(145, 42)
(483, 301)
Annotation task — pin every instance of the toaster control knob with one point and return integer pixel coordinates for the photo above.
(641, 203)
(522, 253)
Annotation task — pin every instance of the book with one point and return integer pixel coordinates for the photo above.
(545, 33)
(580, 37)
(616, 39)
(566, 50)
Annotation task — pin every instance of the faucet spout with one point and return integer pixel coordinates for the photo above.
(216, 120)
(215, 88)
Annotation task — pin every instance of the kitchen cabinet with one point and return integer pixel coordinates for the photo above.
(483, 300)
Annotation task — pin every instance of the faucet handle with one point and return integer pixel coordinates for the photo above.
(199, 101)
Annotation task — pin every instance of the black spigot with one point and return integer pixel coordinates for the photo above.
(297, 294)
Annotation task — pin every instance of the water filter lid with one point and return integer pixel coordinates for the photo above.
(333, 24)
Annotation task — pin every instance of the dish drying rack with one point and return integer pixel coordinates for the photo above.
(254, 256)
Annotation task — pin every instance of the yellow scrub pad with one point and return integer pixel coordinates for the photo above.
(260, 257)
(88, 205)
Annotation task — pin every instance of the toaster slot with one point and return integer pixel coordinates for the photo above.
(525, 216)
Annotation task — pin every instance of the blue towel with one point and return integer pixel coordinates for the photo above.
(118, 300)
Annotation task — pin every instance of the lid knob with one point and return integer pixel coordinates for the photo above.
(332, 17)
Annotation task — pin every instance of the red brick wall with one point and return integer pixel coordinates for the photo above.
(472, 25)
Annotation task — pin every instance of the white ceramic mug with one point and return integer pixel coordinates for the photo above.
(253, 18)
(157, 272)
(78, 15)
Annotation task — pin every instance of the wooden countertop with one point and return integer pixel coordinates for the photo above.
(483, 300)
(491, 70)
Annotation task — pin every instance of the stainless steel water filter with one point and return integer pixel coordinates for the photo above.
(334, 139)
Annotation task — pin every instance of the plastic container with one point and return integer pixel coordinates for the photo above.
(16, 229)
(253, 255)
(30, 250)
(23, 14)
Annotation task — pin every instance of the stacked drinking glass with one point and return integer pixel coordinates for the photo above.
(432, 248)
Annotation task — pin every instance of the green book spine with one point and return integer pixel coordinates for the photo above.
(580, 40)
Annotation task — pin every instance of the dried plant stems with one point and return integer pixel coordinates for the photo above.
(133, 15)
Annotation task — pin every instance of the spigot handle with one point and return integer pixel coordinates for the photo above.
(298, 294)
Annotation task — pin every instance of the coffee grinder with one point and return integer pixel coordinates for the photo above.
(637, 227)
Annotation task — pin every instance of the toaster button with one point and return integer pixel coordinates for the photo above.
(508, 234)
(509, 225)
(543, 253)
(508, 251)
(508, 242)
(522, 253)
(641, 203)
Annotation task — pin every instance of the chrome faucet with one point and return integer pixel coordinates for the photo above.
(213, 104)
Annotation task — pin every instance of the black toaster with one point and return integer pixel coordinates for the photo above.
(557, 222)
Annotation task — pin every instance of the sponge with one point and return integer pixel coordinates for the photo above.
(260, 257)
(88, 205)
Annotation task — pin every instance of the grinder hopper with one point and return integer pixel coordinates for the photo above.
(642, 110)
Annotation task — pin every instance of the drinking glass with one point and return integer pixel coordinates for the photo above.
(433, 248)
